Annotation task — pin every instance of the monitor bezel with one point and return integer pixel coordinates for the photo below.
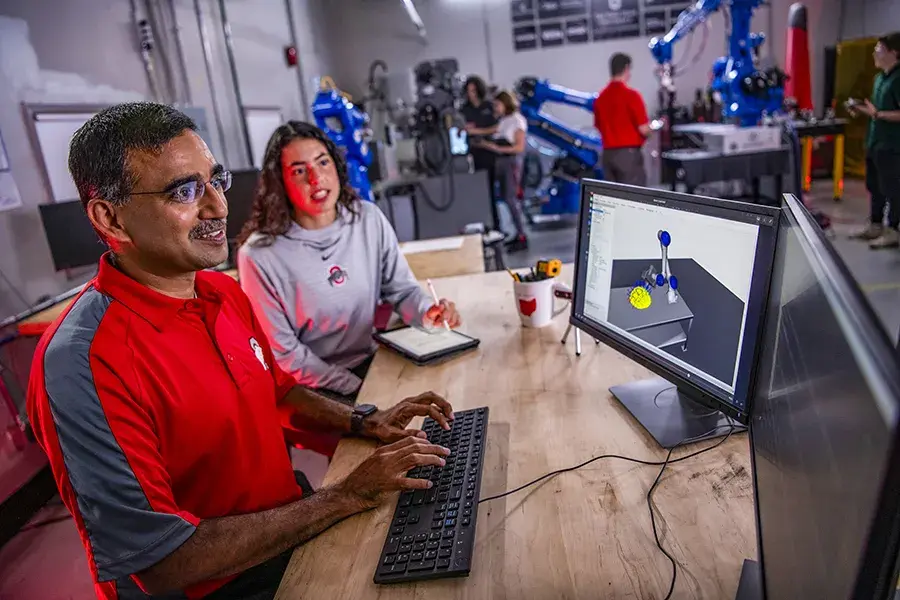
(632, 350)
(882, 545)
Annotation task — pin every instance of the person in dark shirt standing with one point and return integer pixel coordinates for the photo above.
(621, 118)
(883, 146)
(481, 122)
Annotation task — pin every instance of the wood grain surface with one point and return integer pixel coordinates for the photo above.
(580, 535)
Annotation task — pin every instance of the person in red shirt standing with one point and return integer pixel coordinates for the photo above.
(621, 118)
(155, 394)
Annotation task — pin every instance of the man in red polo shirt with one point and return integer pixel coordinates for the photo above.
(621, 119)
(154, 394)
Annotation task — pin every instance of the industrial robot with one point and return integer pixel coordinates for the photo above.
(747, 93)
(579, 152)
(348, 127)
(639, 296)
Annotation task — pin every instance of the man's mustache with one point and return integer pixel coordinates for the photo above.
(206, 227)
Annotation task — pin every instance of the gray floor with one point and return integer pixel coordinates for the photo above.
(877, 272)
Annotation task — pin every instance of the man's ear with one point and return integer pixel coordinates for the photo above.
(106, 218)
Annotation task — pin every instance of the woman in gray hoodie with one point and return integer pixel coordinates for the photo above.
(316, 260)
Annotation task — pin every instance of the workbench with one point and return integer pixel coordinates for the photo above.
(580, 535)
(467, 258)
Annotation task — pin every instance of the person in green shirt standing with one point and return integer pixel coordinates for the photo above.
(883, 145)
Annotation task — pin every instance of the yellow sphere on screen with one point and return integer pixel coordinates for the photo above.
(640, 298)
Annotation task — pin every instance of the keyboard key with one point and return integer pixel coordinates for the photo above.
(426, 565)
(443, 563)
(392, 546)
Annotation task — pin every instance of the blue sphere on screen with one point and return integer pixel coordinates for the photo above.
(665, 238)
(660, 279)
(673, 282)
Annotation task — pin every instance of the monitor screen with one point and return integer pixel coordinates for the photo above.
(70, 235)
(240, 200)
(824, 428)
(677, 282)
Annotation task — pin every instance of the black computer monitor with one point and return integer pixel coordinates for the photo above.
(70, 235)
(824, 431)
(240, 201)
(678, 283)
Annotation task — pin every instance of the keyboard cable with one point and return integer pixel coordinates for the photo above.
(662, 464)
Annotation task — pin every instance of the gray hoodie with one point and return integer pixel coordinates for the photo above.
(315, 293)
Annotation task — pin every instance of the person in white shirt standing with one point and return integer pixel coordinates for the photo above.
(509, 145)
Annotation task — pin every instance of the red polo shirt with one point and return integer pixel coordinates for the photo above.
(157, 413)
(618, 112)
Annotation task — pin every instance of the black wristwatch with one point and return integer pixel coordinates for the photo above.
(359, 414)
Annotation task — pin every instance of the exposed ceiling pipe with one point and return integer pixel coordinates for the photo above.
(415, 18)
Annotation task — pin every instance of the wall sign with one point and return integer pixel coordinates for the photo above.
(555, 23)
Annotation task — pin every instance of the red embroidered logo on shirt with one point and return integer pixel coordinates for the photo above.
(336, 275)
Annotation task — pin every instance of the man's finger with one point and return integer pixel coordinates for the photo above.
(407, 483)
(429, 410)
(432, 398)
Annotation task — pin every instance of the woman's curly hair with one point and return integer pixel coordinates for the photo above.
(272, 213)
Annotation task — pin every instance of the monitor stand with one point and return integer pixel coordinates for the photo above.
(670, 416)
(750, 585)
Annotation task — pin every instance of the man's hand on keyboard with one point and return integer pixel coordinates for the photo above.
(385, 471)
(390, 425)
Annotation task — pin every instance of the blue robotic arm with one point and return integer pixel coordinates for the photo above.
(347, 126)
(746, 92)
(579, 152)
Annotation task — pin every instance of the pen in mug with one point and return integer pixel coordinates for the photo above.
(437, 301)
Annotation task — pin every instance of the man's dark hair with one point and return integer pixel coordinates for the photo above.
(480, 86)
(618, 63)
(99, 150)
(891, 41)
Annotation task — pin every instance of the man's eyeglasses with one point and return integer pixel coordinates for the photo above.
(192, 191)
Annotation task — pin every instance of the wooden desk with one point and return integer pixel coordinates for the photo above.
(469, 258)
(584, 534)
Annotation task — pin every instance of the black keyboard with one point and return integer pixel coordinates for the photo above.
(433, 531)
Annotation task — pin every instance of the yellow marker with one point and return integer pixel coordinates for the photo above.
(640, 298)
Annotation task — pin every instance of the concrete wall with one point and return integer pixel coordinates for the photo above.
(86, 51)
(869, 18)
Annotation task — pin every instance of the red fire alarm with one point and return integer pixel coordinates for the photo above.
(290, 55)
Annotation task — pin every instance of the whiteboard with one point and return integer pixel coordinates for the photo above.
(54, 131)
(261, 124)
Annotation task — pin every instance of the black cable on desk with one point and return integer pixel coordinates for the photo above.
(668, 461)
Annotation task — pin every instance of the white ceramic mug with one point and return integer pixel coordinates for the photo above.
(535, 301)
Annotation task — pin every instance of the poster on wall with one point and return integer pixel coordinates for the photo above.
(551, 35)
(522, 10)
(577, 31)
(615, 19)
(525, 37)
(655, 22)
